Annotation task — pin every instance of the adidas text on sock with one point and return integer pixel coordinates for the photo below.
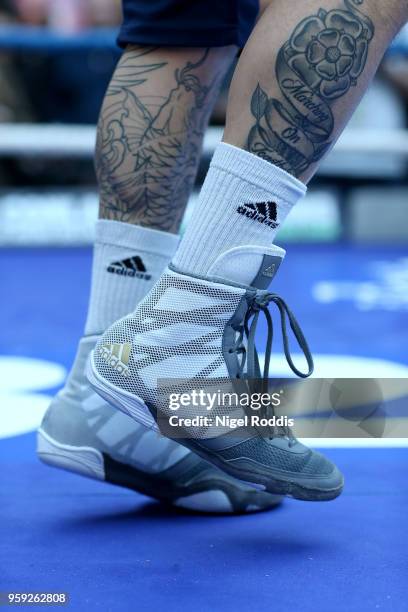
(127, 261)
(244, 201)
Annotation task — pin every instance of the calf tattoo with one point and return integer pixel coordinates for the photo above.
(321, 61)
(148, 147)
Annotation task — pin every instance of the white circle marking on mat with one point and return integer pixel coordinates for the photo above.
(340, 366)
(21, 409)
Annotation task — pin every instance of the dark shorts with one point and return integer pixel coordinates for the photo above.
(187, 23)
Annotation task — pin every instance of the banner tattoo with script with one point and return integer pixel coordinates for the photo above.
(321, 61)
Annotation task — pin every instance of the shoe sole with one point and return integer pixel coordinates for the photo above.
(82, 460)
(135, 407)
(275, 486)
(91, 463)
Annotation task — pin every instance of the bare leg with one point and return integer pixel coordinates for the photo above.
(151, 129)
(194, 322)
(149, 141)
(303, 71)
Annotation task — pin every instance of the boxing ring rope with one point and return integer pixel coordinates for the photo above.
(78, 141)
(18, 38)
(39, 38)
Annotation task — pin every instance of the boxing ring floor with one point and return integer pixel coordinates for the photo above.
(112, 549)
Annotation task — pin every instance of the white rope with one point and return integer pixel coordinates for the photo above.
(79, 141)
(62, 140)
(47, 140)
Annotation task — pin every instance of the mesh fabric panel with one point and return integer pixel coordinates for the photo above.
(175, 333)
(263, 451)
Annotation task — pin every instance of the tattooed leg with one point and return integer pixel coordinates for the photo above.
(150, 132)
(302, 74)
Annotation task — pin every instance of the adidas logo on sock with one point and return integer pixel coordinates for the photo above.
(132, 266)
(263, 212)
(117, 356)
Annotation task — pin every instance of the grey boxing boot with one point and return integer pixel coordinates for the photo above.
(194, 328)
(82, 433)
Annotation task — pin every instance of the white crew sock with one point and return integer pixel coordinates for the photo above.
(243, 201)
(128, 260)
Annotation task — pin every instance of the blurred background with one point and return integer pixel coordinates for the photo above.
(346, 273)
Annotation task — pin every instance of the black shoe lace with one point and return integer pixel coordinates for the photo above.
(250, 359)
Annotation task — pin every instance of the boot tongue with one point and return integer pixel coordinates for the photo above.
(248, 265)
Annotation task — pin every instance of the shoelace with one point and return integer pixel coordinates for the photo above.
(250, 357)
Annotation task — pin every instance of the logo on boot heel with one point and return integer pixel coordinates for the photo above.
(117, 356)
(263, 212)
